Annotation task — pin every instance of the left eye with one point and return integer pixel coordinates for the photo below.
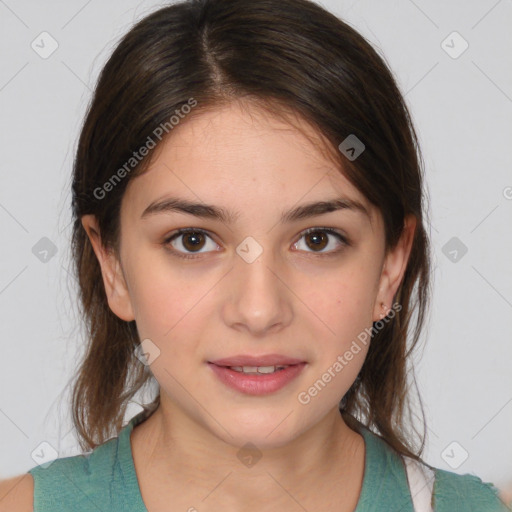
(318, 239)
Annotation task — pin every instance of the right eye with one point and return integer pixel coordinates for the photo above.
(188, 239)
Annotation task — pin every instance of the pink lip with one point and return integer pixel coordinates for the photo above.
(257, 384)
(263, 360)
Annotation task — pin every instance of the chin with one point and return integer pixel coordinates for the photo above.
(265, 433)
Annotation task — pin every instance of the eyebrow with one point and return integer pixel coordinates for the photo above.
(206, 211)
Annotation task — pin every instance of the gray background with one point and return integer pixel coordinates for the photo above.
(462, 108)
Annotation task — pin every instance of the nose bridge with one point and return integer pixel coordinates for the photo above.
(259, 300)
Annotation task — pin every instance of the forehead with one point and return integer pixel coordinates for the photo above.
(243, 158)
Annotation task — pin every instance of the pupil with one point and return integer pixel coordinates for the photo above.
(196, 240)
(318, 238)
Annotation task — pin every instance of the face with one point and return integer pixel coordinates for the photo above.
(270, 277)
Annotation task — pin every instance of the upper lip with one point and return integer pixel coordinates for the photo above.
(263, 360)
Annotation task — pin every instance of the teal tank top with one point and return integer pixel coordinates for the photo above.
(104, 480)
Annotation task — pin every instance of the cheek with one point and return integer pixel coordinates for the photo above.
(344, 301)
(343, 304)
(169, 304)
(342, 338)
(170, 311)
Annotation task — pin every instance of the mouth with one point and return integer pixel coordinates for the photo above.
(256, 379)
(263, 361)
(257, 370)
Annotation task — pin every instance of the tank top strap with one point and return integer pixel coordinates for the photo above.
(102, 480)
(454, 491)
(385, 484)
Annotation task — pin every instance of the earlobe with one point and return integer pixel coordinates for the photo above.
(113, 278)
(394, 268)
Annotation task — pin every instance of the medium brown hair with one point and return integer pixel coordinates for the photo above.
(288, 56)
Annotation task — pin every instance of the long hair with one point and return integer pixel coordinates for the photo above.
(290, 56)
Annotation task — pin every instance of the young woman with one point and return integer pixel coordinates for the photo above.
(250, 235)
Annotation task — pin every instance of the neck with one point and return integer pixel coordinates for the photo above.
(173, 448)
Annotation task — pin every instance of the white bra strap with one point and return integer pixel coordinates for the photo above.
(421, 483)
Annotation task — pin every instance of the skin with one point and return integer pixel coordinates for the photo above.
(294, 299)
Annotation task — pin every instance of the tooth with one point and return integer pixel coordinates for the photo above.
(266, 369)
(255, 370)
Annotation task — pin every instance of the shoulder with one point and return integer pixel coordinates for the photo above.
(95, 463)
(69, 482)
(98, 460)
(451, 489)
(17, 494)
(42, 484)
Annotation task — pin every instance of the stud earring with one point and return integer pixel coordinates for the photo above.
(383, 306)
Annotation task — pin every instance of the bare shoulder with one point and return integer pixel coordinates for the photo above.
(17, 494)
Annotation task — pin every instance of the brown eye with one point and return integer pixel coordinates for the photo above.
(317, 240)
(186, 242)
(193, 241)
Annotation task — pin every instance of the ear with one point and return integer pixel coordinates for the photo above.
(113, 277)
(393, 270)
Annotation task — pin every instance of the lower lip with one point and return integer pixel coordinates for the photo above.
(257, 384)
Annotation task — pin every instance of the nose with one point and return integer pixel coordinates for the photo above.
(258, 299)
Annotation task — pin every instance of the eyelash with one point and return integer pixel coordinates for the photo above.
(184, 231)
